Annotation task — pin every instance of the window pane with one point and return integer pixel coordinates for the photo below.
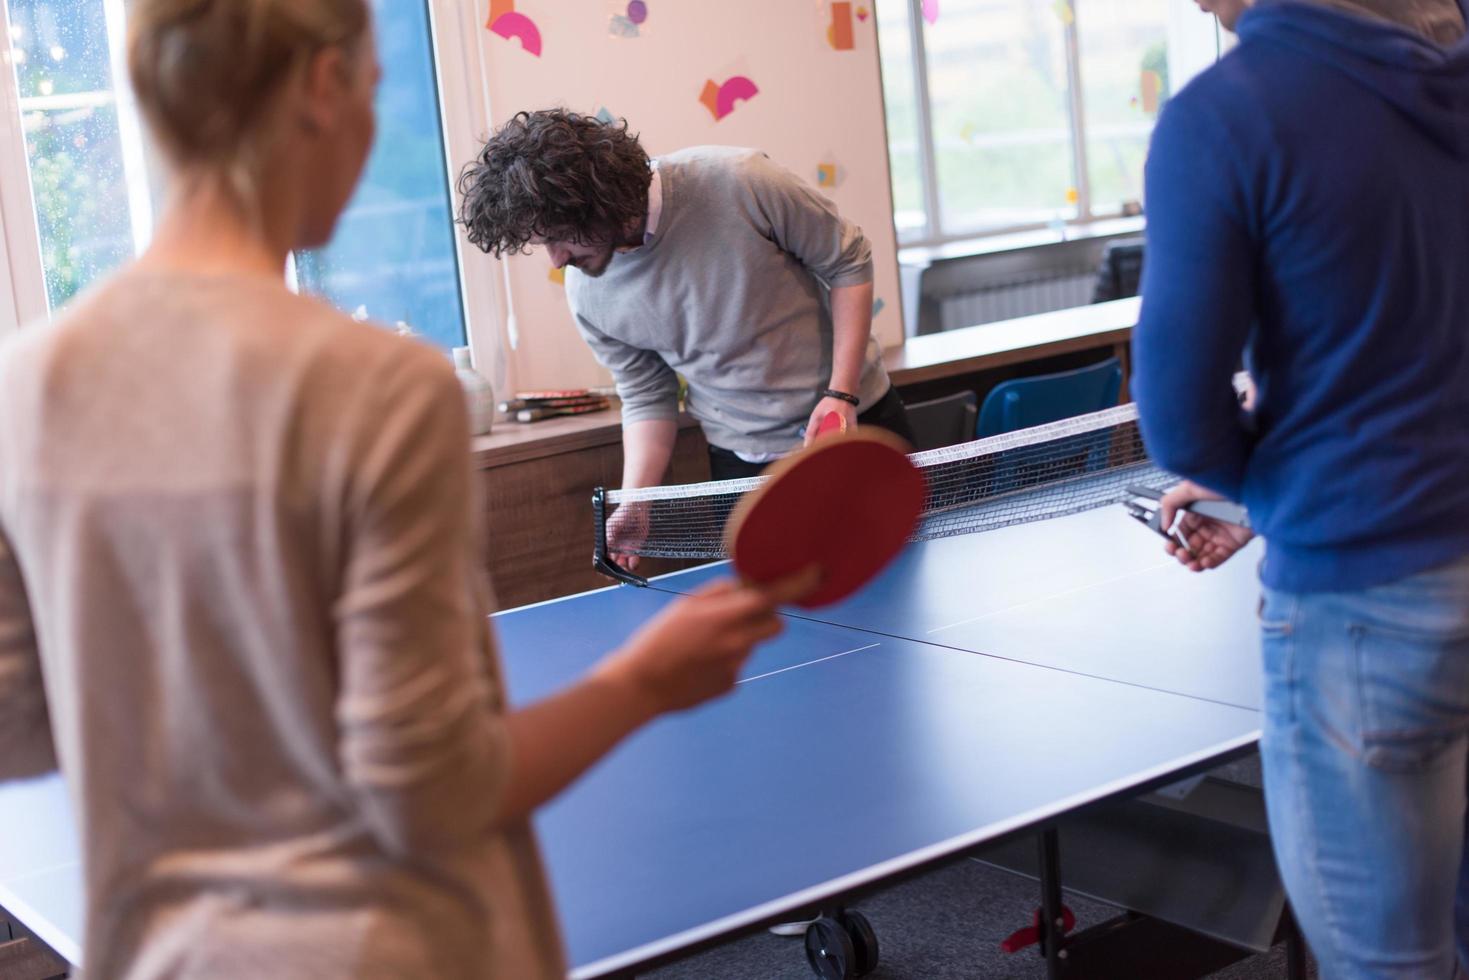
(63, 71)
(997, 84)
(894, 28)
(1124, 70)
(393, 253)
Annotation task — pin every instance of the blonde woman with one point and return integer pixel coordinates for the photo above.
(235, 539)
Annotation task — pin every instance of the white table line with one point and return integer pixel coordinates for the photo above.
(809, 663)
(1047, 598)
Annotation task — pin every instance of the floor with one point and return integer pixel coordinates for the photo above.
(944, 925)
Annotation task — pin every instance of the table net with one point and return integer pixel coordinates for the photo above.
(1029, 475)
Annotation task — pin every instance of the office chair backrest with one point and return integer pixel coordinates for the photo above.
(1024, 402)
(943, 421)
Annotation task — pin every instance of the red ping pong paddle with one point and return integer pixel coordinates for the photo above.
(845, 505)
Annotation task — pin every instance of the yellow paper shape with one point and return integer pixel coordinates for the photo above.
(839, 34)
(710, 98)
(558, 276)
(498, 7)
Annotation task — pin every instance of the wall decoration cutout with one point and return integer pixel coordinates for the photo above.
(829, 175)
(510, 24)
(605, 116)
(839, 35)
(862, 14)
(877, 307)
(558, 276)
(931, 10)
(968, 133)
(720, 99)
(628, 18)
(1065, 12)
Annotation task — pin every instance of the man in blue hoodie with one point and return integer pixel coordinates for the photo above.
(1308, 202)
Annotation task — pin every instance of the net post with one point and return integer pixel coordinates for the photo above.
(601, 561)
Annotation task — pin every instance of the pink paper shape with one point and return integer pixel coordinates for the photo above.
(930, 10)
(738, 88)
(518, 25)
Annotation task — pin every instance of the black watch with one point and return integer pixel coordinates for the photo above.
(847, 397)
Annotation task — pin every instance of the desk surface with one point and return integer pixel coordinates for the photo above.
(1006, 342)
(983, 685)
(517, 442)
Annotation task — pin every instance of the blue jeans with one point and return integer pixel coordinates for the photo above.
(1366, 759)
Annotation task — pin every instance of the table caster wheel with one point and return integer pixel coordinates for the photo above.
(829, 950)
(864, 941)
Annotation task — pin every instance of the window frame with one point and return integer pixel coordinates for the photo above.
(463, 105)
(20, 239)
(932, 233)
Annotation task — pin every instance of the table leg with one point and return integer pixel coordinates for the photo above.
(1295, 946)
(1052, 925)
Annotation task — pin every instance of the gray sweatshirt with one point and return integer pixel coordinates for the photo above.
(732, 293)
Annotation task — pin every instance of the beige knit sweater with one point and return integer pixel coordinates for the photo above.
(236, 541)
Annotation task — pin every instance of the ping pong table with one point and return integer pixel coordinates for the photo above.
(984, 686)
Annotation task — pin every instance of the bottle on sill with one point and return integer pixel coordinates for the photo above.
(479, 397)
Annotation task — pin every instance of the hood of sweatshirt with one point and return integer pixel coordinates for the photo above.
(1425, 81)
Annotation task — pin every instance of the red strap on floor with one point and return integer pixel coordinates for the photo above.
(1031, 934)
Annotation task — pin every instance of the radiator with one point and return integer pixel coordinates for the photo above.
(1007, 300)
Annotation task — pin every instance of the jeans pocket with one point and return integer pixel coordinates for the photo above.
(1413, 691)
(1277, 614)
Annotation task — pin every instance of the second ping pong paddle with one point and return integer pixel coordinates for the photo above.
(831, 422)
(844, 506)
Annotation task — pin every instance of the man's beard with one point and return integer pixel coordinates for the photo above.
(596, 265)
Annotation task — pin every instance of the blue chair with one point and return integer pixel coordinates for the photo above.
(1024, 402)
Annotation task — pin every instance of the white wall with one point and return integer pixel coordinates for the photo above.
(815, 105)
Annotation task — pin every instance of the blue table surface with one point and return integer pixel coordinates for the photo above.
(1092, 593)
(866, 739)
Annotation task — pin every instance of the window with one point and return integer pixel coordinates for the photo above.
(1012, 114)
(90, 178)
(393, 255)
(62, 54)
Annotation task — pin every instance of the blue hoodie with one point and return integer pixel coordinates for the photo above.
(1308, 209)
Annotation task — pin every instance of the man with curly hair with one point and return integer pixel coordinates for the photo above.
(712, 263)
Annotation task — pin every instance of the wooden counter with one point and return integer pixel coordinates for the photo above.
(516, 442)
(538, 482)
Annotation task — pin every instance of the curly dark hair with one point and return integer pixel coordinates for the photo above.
(556, 175)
